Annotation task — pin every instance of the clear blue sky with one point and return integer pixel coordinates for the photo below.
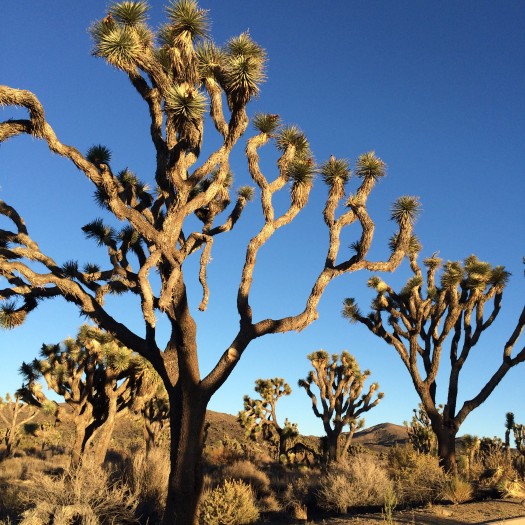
(436, 90)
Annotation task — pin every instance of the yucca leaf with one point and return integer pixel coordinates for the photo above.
(293, 136)
(350, 310)
(406, 207)
(130, 13)
(301, 170)
(500, 277)
(453, 274)
(70, 268)
(185, 105)
(266, 123)
(246, 192)
(335, 170)
(104, 235)
(414, 246)
(186, 16)
(120, 46)
(210, 59)
(91, 268)
(11, 316)
(369, 165)
(98, 154)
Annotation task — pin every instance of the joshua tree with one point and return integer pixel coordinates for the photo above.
(420, 432)
(509, 427)
(14, 413)
(97, 377)
(340, 386)
(417, 321)
(259, 416)
(179, 73)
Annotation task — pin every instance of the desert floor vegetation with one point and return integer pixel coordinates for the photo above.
(243, 484)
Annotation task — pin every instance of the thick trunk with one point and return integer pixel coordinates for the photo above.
(446, 437)
(105, 433)
(187, 417)
(78, 445)
(332, 442)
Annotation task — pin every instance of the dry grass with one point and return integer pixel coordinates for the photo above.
(364, 481)
(418, 478)
(457, 490)
(83, 495)
(246, 471)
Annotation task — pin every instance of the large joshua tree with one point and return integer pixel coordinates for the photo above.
(418, 320)
(340, 386)
(179, 75)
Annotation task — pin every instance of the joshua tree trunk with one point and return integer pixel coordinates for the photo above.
(106, 432)
(187, 418)
(332, 442)
(446, 438)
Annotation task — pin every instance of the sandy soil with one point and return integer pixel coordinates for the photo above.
(480, 512)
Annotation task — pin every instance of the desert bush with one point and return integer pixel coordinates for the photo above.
(83, 495)
(364, 481)
(418, 478)
(147, 479)
(231, 503)
(457, 490)
(511, 488)
(12, 502)
(22, 467)
(246, 471)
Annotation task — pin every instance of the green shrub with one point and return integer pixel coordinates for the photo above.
(231, 503)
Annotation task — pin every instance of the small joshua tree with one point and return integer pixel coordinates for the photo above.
(14, 413)
(340, 386)
(419, 319)
(420, 432)
(97, 377)
(509, 427)
(259, 416)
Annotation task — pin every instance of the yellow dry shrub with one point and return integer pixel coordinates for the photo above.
(231, 503)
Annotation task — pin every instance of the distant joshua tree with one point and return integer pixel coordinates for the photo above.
(14, 413)
(340, 385)
(259, 416)
(420, 432)
(417, 321)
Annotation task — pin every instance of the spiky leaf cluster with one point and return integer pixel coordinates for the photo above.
(98, 154)
(292, 136)
(186, 17)
(414, 245)
(266, 122)
(406, 208)
(368, 165)
(185, 105)
(335, 170)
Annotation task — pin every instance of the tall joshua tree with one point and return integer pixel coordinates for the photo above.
(417, 321)
(259, 416)
(178, 79)
(340, 385)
